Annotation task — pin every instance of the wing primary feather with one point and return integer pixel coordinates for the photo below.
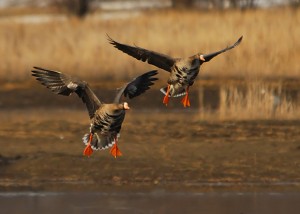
(154, 58)
(63, 84)
(137, 86)
(210, 56)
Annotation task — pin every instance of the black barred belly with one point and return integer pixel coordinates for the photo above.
(109, 122)
(191, 76)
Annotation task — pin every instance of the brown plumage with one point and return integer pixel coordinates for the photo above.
(183, 71)
(106, 119)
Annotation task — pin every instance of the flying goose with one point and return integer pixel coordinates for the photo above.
(106, 119)
(183, 71)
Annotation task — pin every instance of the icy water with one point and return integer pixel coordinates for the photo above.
(155, 202)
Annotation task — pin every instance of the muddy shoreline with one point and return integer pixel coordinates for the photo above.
(41, 150)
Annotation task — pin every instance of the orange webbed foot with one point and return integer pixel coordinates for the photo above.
(185, 101)
(115, 151)
(166, 98)
(88, 149)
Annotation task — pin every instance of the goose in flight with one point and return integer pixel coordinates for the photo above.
(183, 71)
(106, 119)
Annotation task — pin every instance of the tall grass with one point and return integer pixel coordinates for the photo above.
(252, 100)
(271, 45)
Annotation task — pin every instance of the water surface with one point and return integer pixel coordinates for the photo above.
(154, 202)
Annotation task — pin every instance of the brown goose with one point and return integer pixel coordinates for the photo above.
(106, 119)
(183, 71)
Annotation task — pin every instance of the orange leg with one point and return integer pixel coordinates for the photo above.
(185, 100)
(88, 149)
(115, 151)
(166, 98)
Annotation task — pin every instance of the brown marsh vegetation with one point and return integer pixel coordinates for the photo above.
(271, 47)
(258, 101)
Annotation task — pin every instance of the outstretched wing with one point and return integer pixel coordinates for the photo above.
(63, 84)
(137, 86)
(160, 60)
(208, 57)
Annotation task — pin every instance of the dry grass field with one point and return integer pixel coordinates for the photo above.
(257, 100)
(271, 47)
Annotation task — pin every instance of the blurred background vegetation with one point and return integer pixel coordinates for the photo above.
(70, 36)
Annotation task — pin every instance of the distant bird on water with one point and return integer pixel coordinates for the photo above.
(106, 119)
(183, 71)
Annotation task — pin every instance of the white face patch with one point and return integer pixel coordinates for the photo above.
(202, 57)
(72, 85)
(126, 106)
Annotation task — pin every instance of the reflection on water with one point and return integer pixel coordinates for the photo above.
(155, 202)
(228, 97)
(211, 96)
(240, 100)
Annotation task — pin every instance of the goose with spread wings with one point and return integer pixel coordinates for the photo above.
(183, 71)
(106, 119)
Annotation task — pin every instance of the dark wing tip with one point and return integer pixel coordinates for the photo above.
(39, 68)
(45, 71)
(152, 73)
(53, 80)
(238, 41)
(111, 41)
(149, 78)
(234, 45)
(140, 84)
(37, 72)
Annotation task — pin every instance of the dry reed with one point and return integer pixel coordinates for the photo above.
(252, 100)
(271, 46)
